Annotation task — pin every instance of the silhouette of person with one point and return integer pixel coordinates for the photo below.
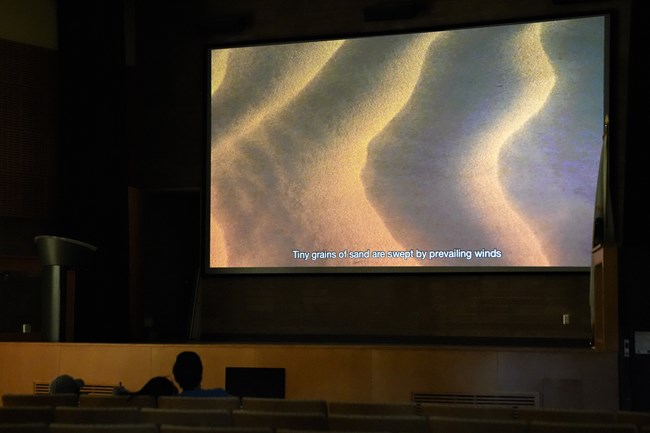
(155, 387)
(188, 373)
(66, 384)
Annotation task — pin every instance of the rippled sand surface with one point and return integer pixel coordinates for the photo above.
(479, 140)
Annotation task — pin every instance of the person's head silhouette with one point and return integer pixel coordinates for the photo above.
(66, 384)
(188, 370)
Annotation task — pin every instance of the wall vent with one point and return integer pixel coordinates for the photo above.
(44, 388)
(517, 399)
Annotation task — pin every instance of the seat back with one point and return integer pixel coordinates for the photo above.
(166, 428)
(178, 402)
(284, 405)
(390, 423)
(566, 415)
(641, 419)
(188, 417)
(444, 424)
(104, 400)
(371, 408)
(97, 415)
(40, 399)
(103, 428)
(276, 420)
(580, 427)
(24, 427)
(482, 411)
(26, 414)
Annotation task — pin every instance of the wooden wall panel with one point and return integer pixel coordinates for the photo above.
(331, 372)
(107, 364)
(399, 372)
(526, 369)
(22, 364)
(343, 373)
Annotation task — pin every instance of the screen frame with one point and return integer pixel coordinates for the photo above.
(608, 16)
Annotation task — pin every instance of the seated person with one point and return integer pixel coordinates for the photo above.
(188, 373)
(66, 384)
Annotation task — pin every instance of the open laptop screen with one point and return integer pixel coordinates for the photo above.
(255, 382)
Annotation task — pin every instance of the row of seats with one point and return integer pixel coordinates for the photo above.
(308, 414)
(505, 412)
(242, 421)
(363, 423)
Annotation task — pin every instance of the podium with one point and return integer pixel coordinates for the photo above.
(61, 258)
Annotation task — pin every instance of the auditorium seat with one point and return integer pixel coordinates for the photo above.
(188, 417)
(40, 400)
(165, 428)
(290, 430)
(277, 420)
(284, 405)
(445, 424)
(24, 427)
(469, 410)
(568, 415)
(97, 415)
(26, 414)
(103, 428)
(580, 427)
(372, 408)
(104, 400)
(178, 402)
(640, 419)
(390, 423)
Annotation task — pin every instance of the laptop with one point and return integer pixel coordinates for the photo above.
(255, 382)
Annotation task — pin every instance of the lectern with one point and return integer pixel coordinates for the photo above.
(60, 257)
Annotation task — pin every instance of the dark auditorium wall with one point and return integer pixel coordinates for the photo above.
(635, 296)
(138, 125)
(170, 79)
(28, 140)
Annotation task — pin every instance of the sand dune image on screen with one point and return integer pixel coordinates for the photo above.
(474, 147)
